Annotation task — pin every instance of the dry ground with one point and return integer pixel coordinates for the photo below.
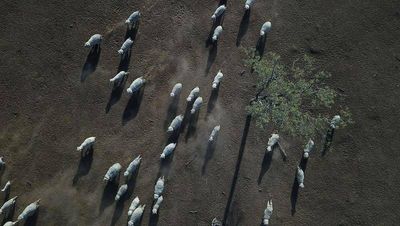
(46, 111)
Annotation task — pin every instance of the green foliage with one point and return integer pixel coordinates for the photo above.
(292, 98)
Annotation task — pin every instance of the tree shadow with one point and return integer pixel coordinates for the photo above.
(328, 141)
(260, 46)
(191, 130)
(132, 108)
(209, 154)
(243, 27)
(108, 197)
(266, 164)
(213, 98)
(116, 93)
(91, 62)
(153, 221)
(84, 166)
(212, 55)
(32, 220)
(171, 111)
(237, 169)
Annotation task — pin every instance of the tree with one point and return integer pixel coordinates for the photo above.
(294, 99)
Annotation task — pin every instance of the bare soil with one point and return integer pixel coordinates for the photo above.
(51, 101)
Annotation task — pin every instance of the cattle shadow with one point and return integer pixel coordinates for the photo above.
(116, 93)
(243, 27)
(212, 99)
(2, 170)
(119, 209)
(186, 116)
(132, 108)
(153, 220)
(222, 2)
(91, 62)
(227, 211)
(165, 164)
(131, 182)
(126, 57)
(9, 215)
(212, 55)
(295, 187)
(32, 220)
(108, 197)
(265, 165)
(173, 137)
(84, 166)
(260, 46)
(209, 154)
(294, 195)
(192, 125)
(328, 141)
(131, 32)
(171, 111)
(7, 193)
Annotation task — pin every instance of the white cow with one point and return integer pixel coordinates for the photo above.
(134, 204)
(86, 145)
(136, 85)
(176, 90)
(217, 32)
(112, 172)
(214, 133)
(136, 215)
(133, 18)
(308, 148)
(7, 205)
(125, 46)
(196, 105)
(159, 187)
(273, 140)
(175, 124)
(29, 211)
(335, 122)
(300, 177)
(168, 150)
(94, 40)
(157, 204)
(2, 163)
(265, 28)
(268, 213)
(218, 12)
(193, 94)
(132, 167)
(217, 79)
(118, 78)
(248, 4)
(121, 191)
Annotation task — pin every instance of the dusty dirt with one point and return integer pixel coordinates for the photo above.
(47, 111)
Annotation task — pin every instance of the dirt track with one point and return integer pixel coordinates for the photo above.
(47, 111)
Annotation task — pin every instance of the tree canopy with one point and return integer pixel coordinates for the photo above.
(293, 99)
